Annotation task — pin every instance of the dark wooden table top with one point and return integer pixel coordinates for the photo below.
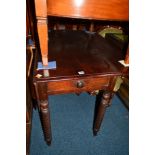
(76, 51)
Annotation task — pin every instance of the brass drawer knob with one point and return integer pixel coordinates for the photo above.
(80, 84)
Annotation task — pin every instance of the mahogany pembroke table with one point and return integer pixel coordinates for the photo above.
(83, 61)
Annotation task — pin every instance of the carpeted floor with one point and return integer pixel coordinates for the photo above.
(72, 118)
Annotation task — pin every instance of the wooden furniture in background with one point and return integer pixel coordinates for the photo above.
(29, 110)
(29, 104)
(123, 92)
(30, 46)
(92, 9)
(127, 57)
(89, 9)
(121, 41)
(85, 61)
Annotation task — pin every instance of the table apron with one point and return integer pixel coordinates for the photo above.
(73, 85)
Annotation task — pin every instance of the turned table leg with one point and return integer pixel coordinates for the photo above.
(45, 120)
(100, 111)
(42, 96)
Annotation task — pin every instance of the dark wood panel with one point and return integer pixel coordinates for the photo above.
(58, 23)
(77, 85)
(90, 9)
(29, 111)
(30, 20)
(76, 51)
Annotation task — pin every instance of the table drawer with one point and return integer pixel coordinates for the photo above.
(78, 85)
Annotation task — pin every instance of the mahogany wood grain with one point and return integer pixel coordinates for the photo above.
(43, 39)
(44, 111)
(76, 51)
(90, 9)
(41, 8)
(71, 85)
(103, 104)
(41, 15)
(45, 119)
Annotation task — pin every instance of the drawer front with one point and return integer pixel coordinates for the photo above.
(77, 85)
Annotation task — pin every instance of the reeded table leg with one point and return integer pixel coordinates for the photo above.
(104, 103)
(45, 120)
